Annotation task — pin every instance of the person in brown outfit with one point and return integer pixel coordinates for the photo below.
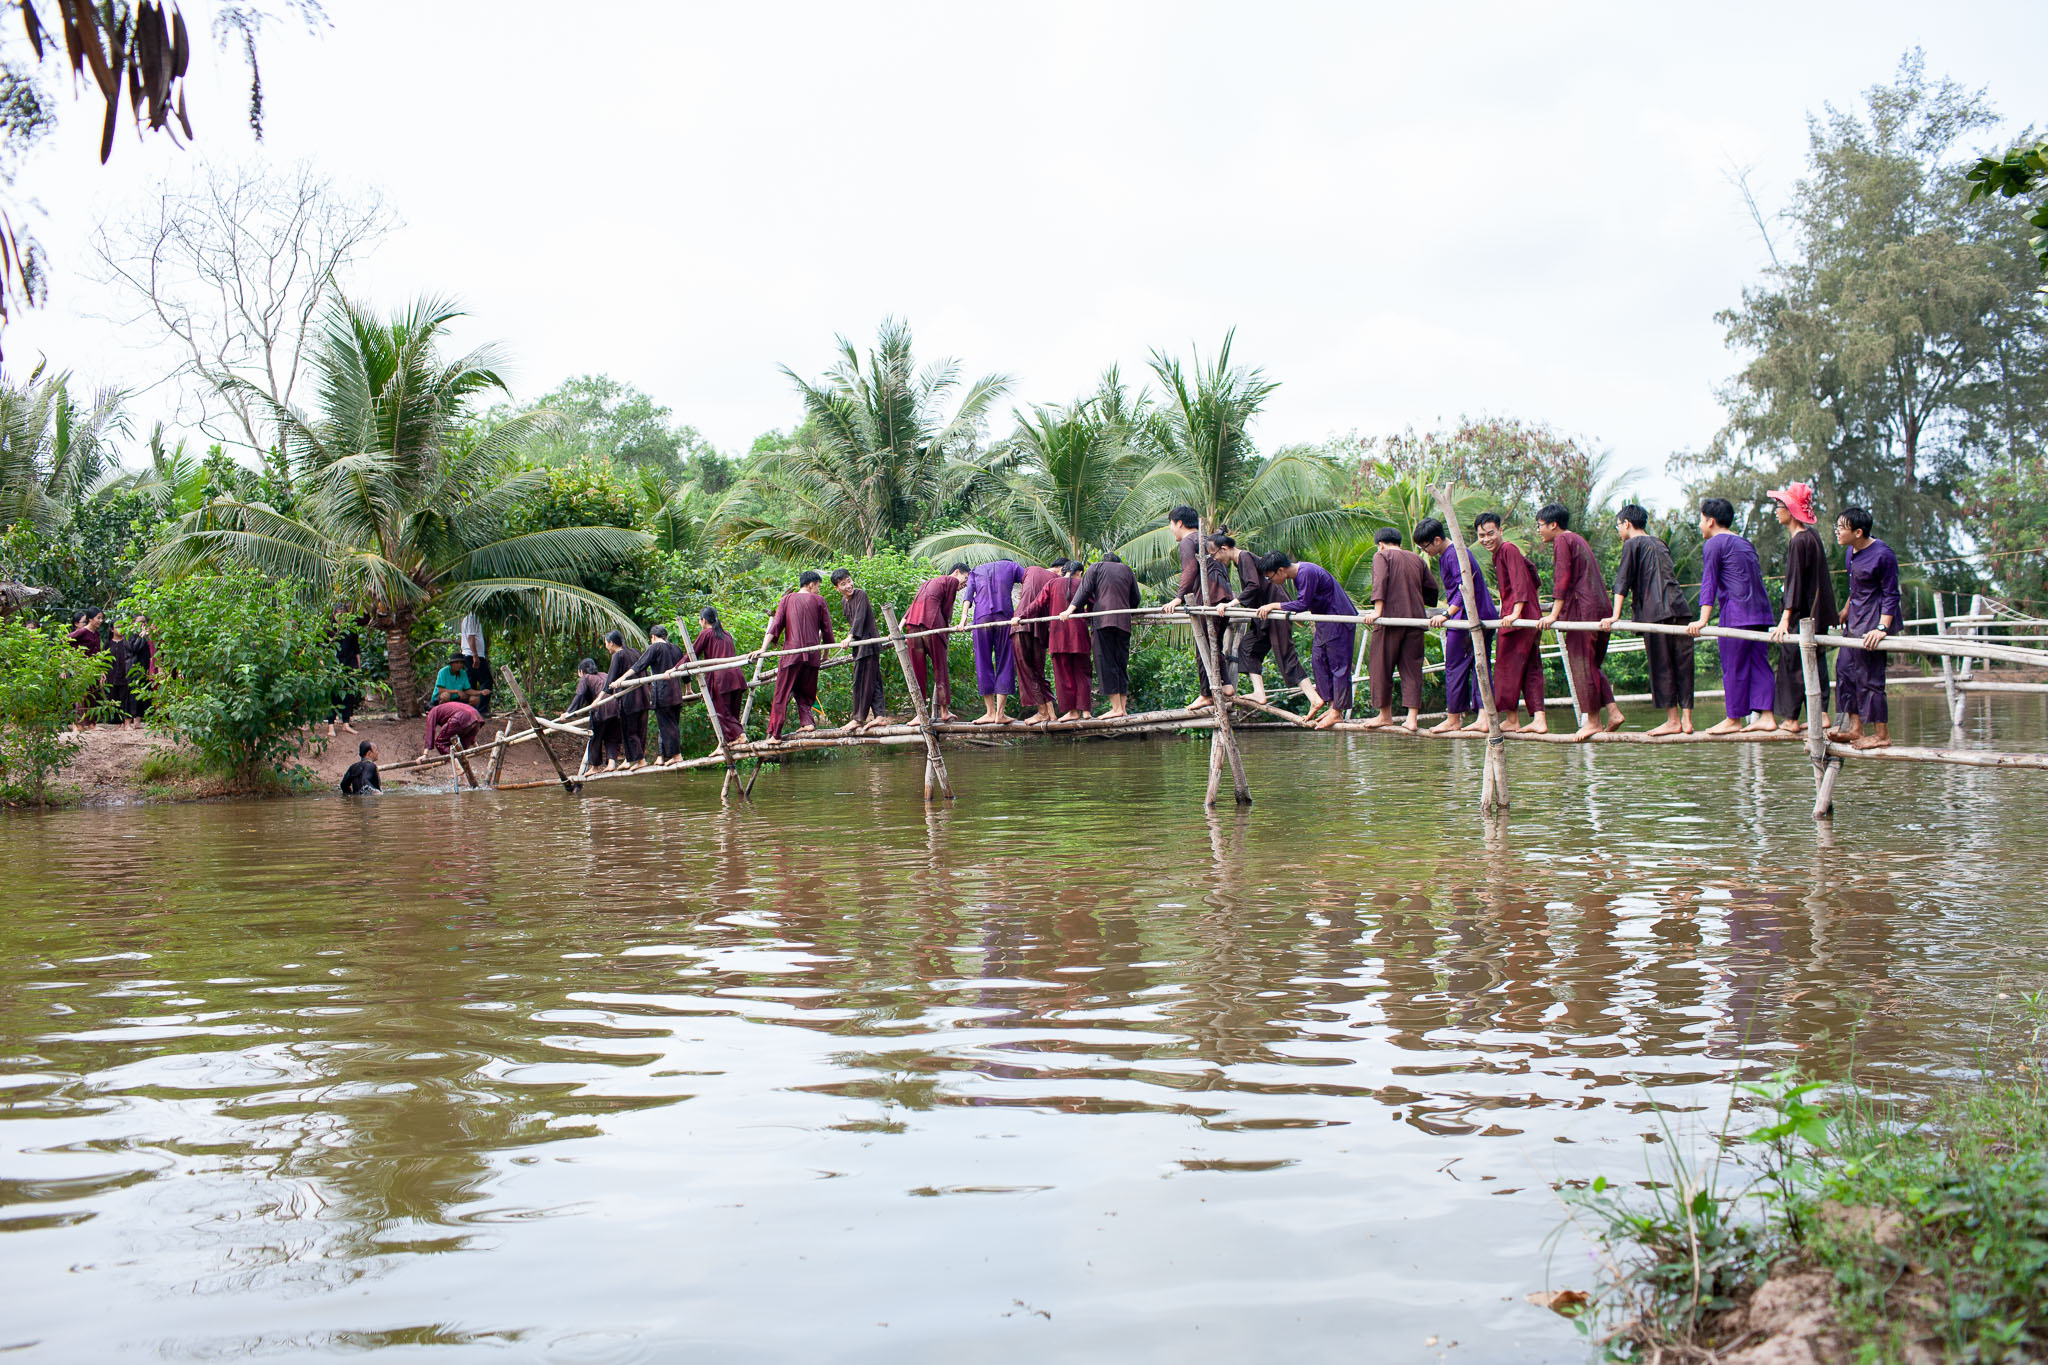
(1401, 587)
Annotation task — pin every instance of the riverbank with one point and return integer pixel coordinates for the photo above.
(1856, 1229)
(121, 765)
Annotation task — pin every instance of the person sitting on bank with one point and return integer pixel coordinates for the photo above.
(449, 723)
(361, 778)
(452, 682)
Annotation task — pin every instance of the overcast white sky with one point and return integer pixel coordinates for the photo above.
(1408, 213)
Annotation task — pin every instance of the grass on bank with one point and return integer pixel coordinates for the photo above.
(1924, 1230)
(178, 772)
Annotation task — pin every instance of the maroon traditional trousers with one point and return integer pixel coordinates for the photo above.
(1028, 639)
(931, 609)
(1517, 662)
(801, 618)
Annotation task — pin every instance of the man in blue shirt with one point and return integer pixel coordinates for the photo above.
(1329, 663)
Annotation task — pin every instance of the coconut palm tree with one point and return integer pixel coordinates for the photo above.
(1200, 431)
(876, 455)
(401, 503)
(1068, 483)
(174, 482)
(54, 450)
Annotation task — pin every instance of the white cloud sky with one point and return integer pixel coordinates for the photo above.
(1408, 213)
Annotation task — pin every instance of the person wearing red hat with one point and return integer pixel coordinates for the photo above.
(1809, 592)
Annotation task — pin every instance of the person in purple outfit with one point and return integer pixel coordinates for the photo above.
(1873, 613)
(1329, 663)
(1461, 678)
(1732, 580)
(992, 591)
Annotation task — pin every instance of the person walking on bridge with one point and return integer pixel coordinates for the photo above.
(932, 609)
(1460, 603)
(1732, 579)
(1517, 659)
(625, 710)
(1067, 642)
(661, 656)
(1207, 590)
(1109, 586)
(867, 658)
(1645, 576)
(801, 620)
(1874, 612)
(1401, 588)
(991, 593)
(723, 684)
(1317, 593)
(1809, 594)
(1261, 638)
(1029, 639)
(1578, 592)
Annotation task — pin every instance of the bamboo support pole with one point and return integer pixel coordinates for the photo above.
(461, 755)
(718, 744)
(499, 748)
(1816, 722)
(732, 771)
(935, 776)
(1493, 781)
(533, 723)
(1223, 743)
(1948, 668)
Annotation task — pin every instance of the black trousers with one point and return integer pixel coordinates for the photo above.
(1789, 673)
(1671, 669)
(1112, 661)
(480, 678)
(867, 688)
(1225, 663)
(668, 728)
(1276, 638)
(626, 738)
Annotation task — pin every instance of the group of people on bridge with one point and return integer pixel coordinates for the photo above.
(1077, 618)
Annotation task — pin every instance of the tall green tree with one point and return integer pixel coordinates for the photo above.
(54, 449)
(1071, 481)
(402, 503)
(870, 467)
(1200, 431)
(1895, 348)
(598, 417)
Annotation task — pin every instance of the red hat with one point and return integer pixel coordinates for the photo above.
(1798, 500)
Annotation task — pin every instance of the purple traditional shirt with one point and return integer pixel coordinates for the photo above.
(1873, 588)
(1316, 592)
(1732, 578)
(1454, 600)
(989, 589)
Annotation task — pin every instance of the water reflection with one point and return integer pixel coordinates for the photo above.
(614, 1077)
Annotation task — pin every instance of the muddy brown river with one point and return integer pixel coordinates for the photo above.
(1066, 1071)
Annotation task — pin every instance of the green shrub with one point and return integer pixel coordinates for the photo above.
(247, 664)
(42, 680)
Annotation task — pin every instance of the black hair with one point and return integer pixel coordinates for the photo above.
(959, 566)
(1222, 542)
(1720, 510)
(1275, 560)
(1112, 557)
(1484, 517)
(709, 616)
(1634, 515)
(841, 575)
(1428, 531)
(657, 632)
(808, 577)
(586, 664)
(1387, 535)
(1859, 519)
(1074, 566)
(1557, 514)
(363, 749)
(1186, 516)
(612, 637)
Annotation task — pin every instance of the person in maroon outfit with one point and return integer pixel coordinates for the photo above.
(1517, 662)
(449, 722)
(1073, 661)
(865, 708)
(1029, 640)
(1578, 592)
(724, 684)
(1209, 589)
(801, 619)
(932, 609)
(1401, 587)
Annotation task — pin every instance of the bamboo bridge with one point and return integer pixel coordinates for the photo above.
(1958, 644)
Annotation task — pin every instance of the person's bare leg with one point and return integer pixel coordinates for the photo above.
(1727, 725)
(1850, 735)
(1414, 721)
(1451, 724)
(1880, 737)
(1119, 704)
(1259, 688)
(1670, 725)
(1329, 719)
(1763, 720)
(1615, 720)
(1539, 723)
